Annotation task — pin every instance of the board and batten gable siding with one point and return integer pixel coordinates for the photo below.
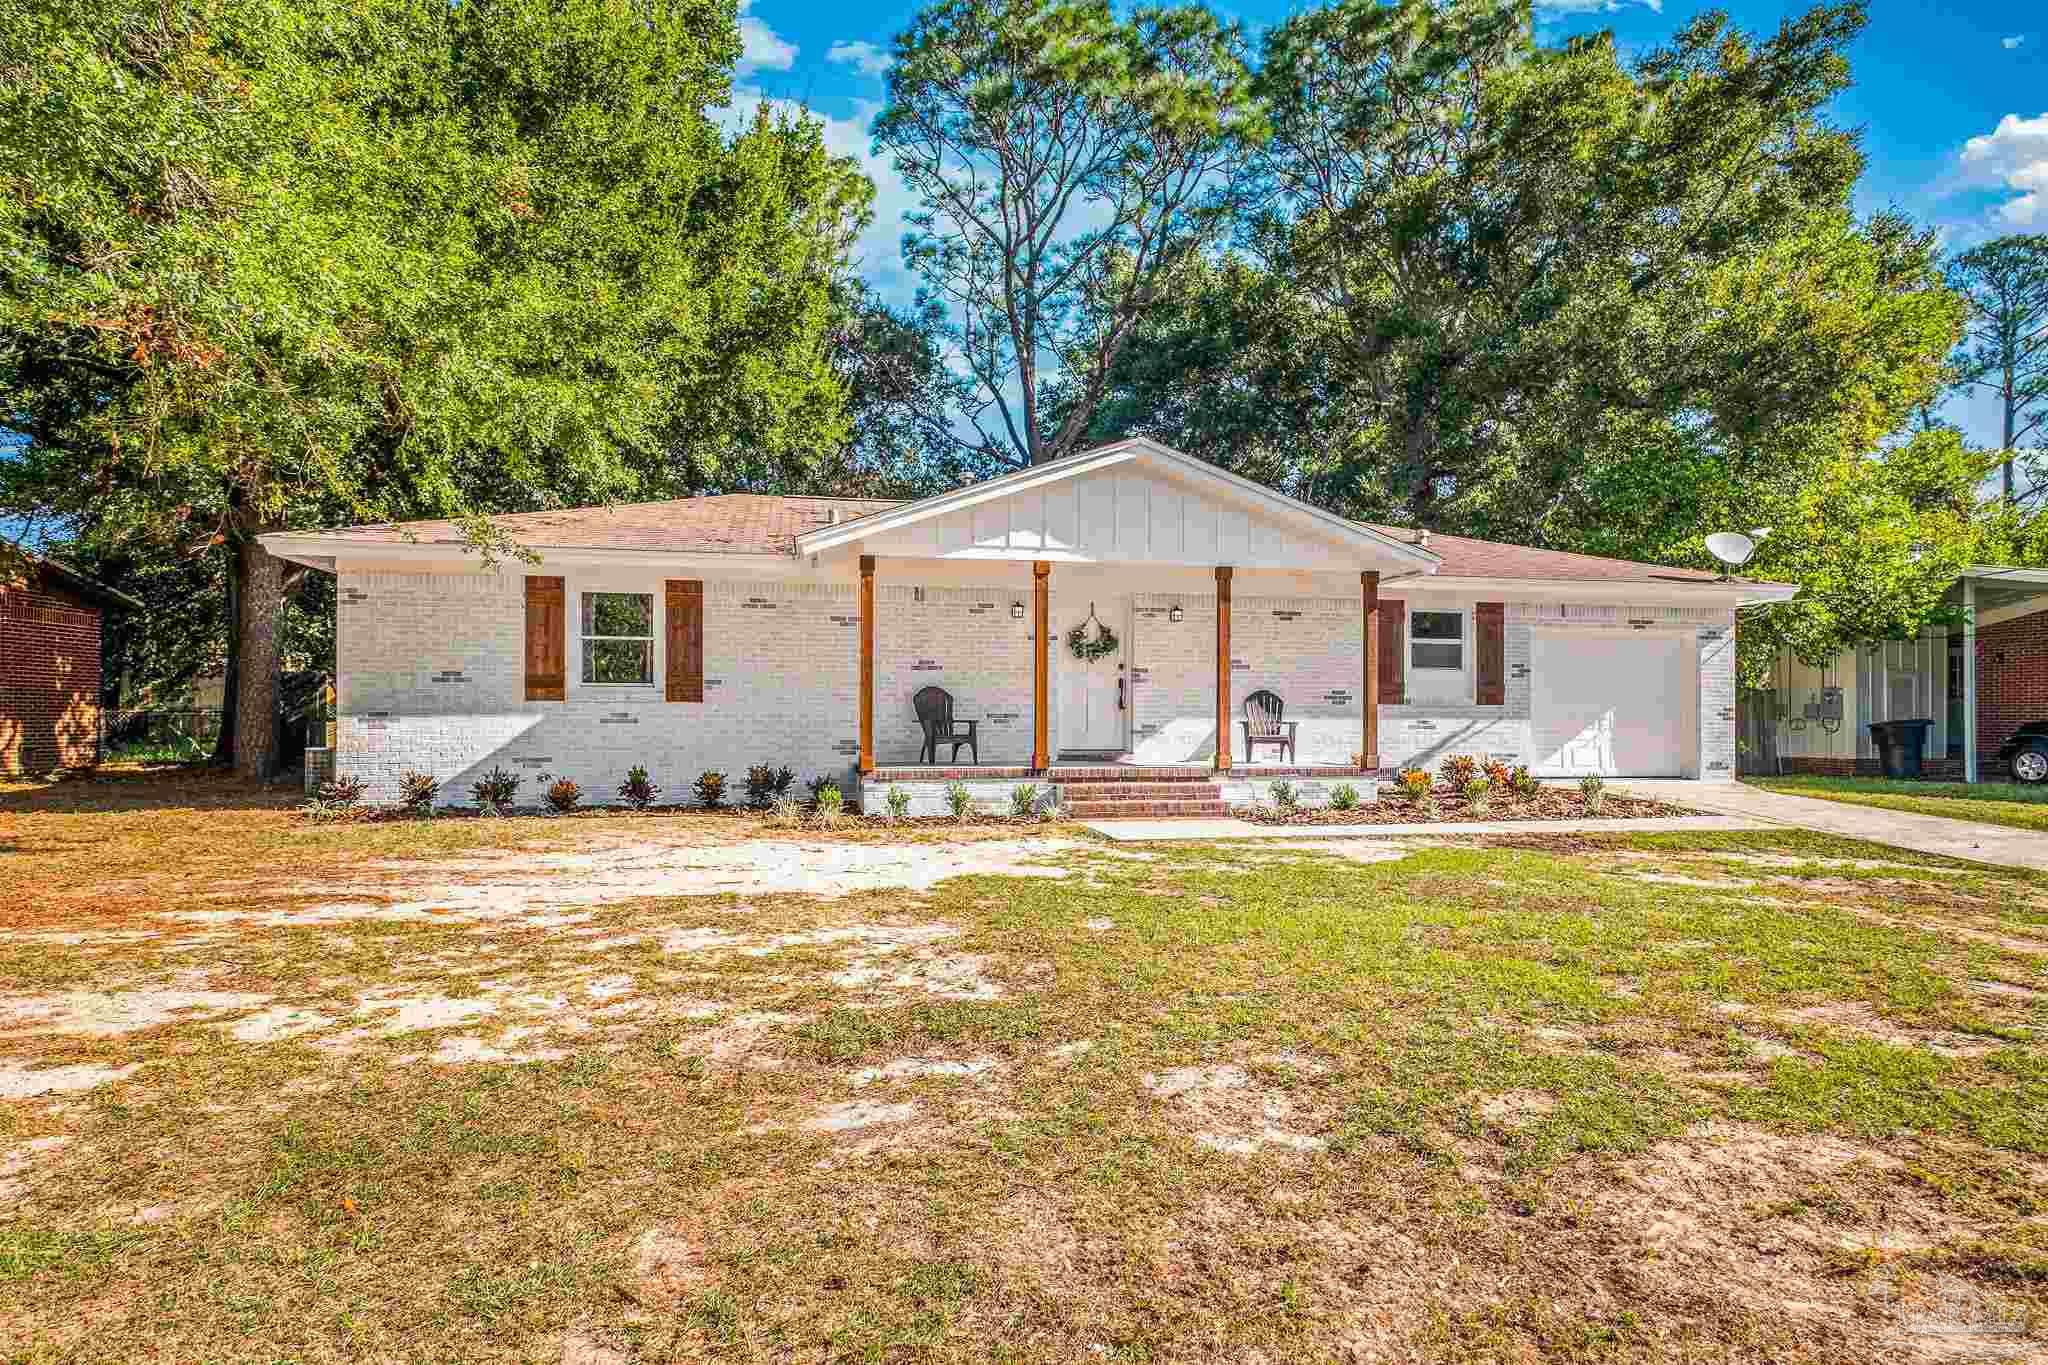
(1121, 514)
(432, 678)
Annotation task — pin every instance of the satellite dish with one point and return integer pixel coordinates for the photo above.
(1732, 548)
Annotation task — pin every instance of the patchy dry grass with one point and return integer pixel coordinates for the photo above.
(1615, 1097)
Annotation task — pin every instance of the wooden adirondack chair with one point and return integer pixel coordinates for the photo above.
(1264, 723)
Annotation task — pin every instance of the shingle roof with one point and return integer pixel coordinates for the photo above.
(1464, 557)
(759, 523)
(727, 523)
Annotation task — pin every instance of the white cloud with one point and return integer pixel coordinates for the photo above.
(2010, 43)
(866, 58)
(2014, 155)
(761, 47)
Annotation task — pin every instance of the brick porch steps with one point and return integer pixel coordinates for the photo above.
(1123, 810)
(1139, 791)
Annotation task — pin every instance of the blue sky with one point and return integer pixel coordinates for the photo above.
(1952, 100)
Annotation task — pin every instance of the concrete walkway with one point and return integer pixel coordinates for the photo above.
(1169, 831)
(2000, 845)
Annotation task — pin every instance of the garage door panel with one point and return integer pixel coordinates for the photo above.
(1608, 704)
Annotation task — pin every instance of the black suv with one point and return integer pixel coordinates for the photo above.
(2027, 752)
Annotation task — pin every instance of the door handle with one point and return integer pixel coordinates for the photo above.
(1119, 691)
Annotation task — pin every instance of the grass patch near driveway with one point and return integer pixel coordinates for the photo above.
(1734, 1097)
(1994, 803)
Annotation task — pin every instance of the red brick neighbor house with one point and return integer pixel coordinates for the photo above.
(50, 636)
(1978, 682)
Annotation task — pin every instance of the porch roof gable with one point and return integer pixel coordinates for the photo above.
(898, 528)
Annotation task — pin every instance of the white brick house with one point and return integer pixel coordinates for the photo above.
(721, 632)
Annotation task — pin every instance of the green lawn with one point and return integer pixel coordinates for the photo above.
(1737, 1097)
(1997, 803)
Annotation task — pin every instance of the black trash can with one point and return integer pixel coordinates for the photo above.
(1899, 745)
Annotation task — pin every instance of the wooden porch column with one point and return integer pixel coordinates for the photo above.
(1041, 633)
(1369, 752)
(1222, 669)
(867, 664)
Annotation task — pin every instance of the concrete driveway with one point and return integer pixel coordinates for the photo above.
(1979, 842)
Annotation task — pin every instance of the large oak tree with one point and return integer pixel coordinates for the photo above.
(272, 263)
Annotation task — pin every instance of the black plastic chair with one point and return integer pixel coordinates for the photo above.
(1264, 723)
(934, 707)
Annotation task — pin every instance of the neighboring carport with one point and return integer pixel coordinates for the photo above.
(1990, 595)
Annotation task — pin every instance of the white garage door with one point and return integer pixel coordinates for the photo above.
(1609, 704)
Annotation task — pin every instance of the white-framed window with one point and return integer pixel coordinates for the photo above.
(1436, 641)
(618, 639)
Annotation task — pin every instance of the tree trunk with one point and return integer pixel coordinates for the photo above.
(259, 600)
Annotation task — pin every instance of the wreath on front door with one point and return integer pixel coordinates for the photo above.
(1088, 648)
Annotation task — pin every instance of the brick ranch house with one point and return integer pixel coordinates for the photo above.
(721, 632)
(1978, 681)
(50, 656)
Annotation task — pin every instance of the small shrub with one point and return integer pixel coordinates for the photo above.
(344, 792)
(322, 811)
(787, 810)
(785, 778)
(1343, 796)
(638, 790)
(1024, 799)
(1524, 782)
(1478, 795)
(816, 786)
(831, 803)
(1414, 783)
(562, 795)
(1457, 770)
(1594, 789)
(761, 783)
(959, 800)
(1285, 798)
(416, 793)
(494, 791)
(1498, 773)
(899, 805)
(710, 788)
(1425, 806)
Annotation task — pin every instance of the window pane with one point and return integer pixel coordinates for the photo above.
(1436, 625)
(618, 613)
(618, 661)
(1425, 655)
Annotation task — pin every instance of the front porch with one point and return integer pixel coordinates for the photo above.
(1182, 650)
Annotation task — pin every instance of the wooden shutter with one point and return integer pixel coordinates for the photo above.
(547, 639)
(1489, 632)
(686, 639)
(1393, 646)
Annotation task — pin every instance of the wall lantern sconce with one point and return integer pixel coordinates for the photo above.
(1175, 613)
(1016, 611)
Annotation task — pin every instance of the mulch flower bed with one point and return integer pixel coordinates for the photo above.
(850, 819)
(1390, 809)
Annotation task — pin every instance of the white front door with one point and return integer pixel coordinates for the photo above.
(1607, 703)
(1091, 711)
